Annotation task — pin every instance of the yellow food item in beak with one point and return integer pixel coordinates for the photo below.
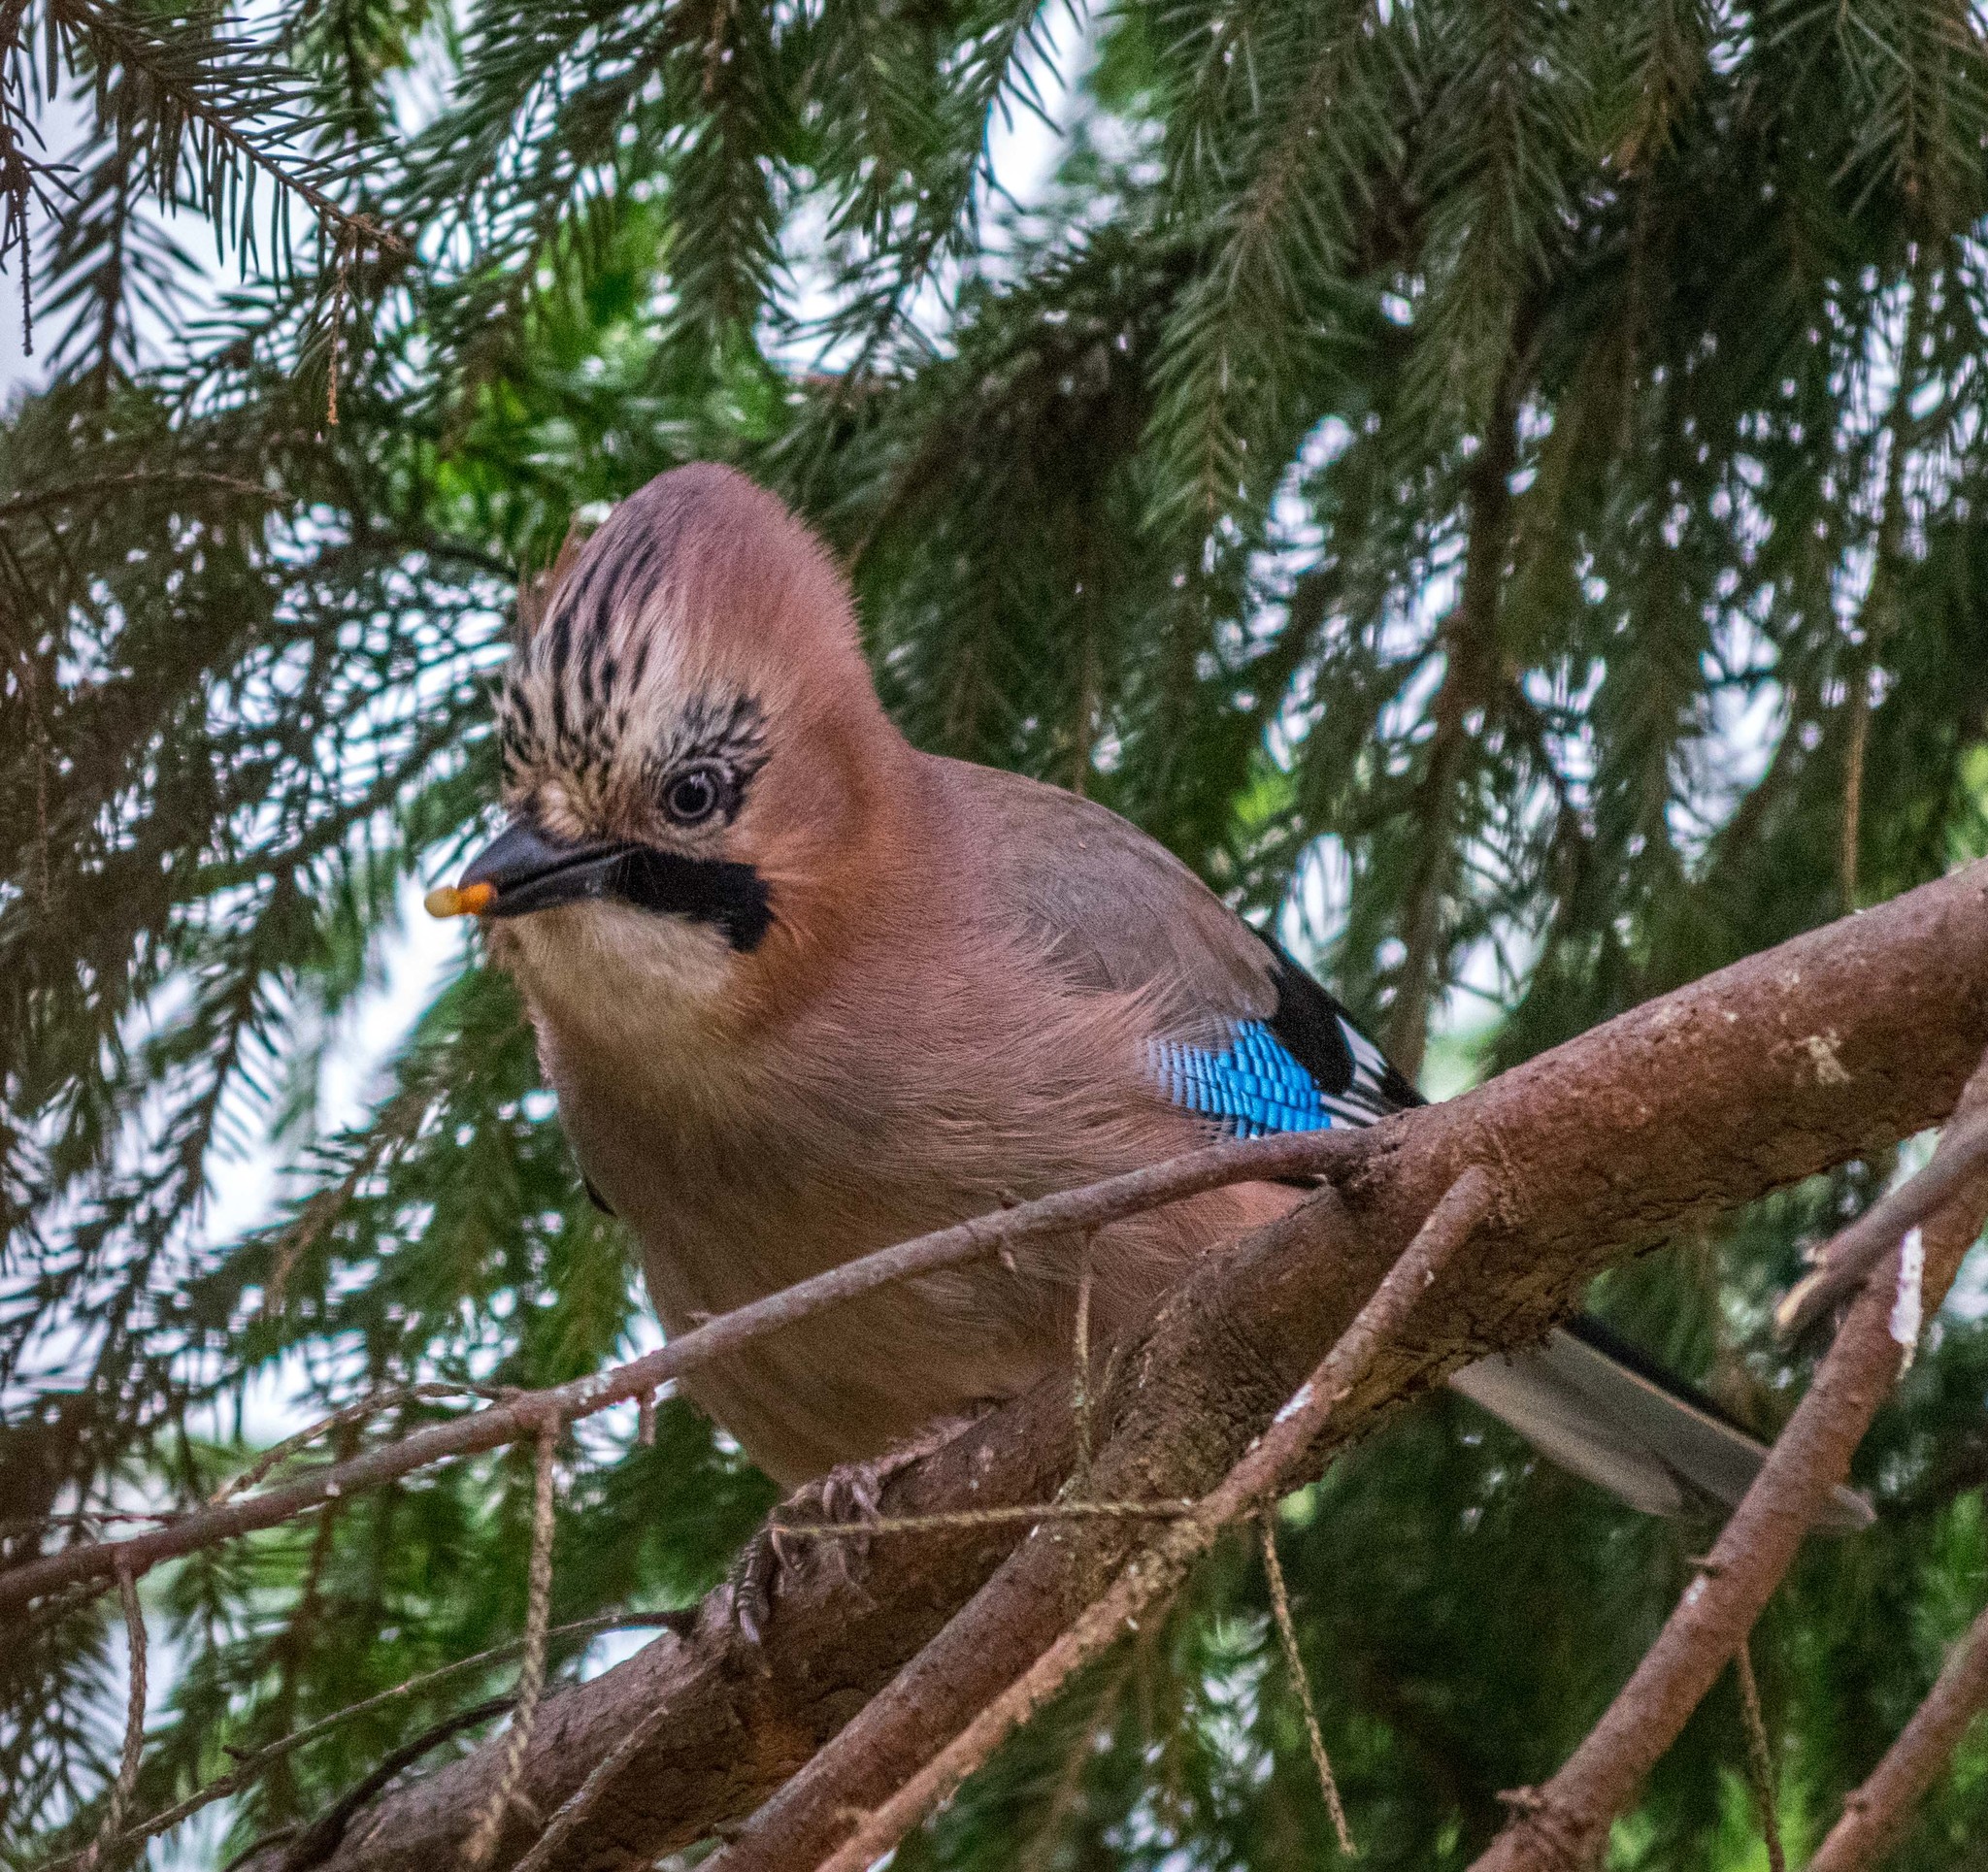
(473, 900)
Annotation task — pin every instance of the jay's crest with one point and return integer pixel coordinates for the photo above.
(638, 701)
(689, 729)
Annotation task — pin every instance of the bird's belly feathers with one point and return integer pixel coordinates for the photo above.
(859, 1378)
(728, 1214)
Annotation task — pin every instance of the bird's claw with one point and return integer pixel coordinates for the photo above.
(752, 1578)
(846, 1498)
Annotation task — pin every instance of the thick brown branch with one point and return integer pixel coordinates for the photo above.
(1833, 1045)
(1876, 1816)
(1561, 1827)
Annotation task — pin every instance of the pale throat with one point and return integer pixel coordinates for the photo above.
(625, 991)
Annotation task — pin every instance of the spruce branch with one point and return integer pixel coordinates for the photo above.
(211, 87)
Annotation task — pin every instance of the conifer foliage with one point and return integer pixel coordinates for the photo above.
(1498, 484)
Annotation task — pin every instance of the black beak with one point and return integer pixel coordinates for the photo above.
(522, 870)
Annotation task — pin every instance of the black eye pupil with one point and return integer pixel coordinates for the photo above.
(692, 797)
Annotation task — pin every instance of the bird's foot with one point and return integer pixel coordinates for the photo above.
(840, 1503)
(843, 1499)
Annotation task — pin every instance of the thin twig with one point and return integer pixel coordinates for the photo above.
(78, 1517)
(1878, 610)
(957, 1518)
(1080, 1376)
(587, 1795)
(1962, 1152)
(34, 500)
(1150, 1575)
(531, 1675)
(338, 331)
(126, 1783)
(1760, 1759)
(1305, 1153)
(391, 1125)
(1301, 1681)
(1040, 1850)
(250, 1767)
(1859, 700)
(322, 1837)
(354, 1413)
(1876, 1816)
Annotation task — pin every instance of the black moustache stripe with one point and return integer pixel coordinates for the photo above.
(708, 890)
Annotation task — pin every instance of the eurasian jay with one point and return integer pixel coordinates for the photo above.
(805, 991)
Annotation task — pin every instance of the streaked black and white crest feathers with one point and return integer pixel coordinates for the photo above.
(588, 733)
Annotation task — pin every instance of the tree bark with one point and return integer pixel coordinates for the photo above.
(1838, 1043)
(1879, 1816)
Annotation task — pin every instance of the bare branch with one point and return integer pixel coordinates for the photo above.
(1152, 1575)
(1851, 1255)
(1560, 1827)
(1877, 1815)
(345, 1416)
(518, 1417)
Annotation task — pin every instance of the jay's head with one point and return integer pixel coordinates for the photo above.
(693, 749)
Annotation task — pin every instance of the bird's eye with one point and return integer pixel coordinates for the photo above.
(693, 796)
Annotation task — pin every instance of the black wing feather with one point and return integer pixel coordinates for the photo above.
(1319, 1033)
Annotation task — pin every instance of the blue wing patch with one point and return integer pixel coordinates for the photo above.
(1306, 1068)
(1256, 1086)
(1251, 1089)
